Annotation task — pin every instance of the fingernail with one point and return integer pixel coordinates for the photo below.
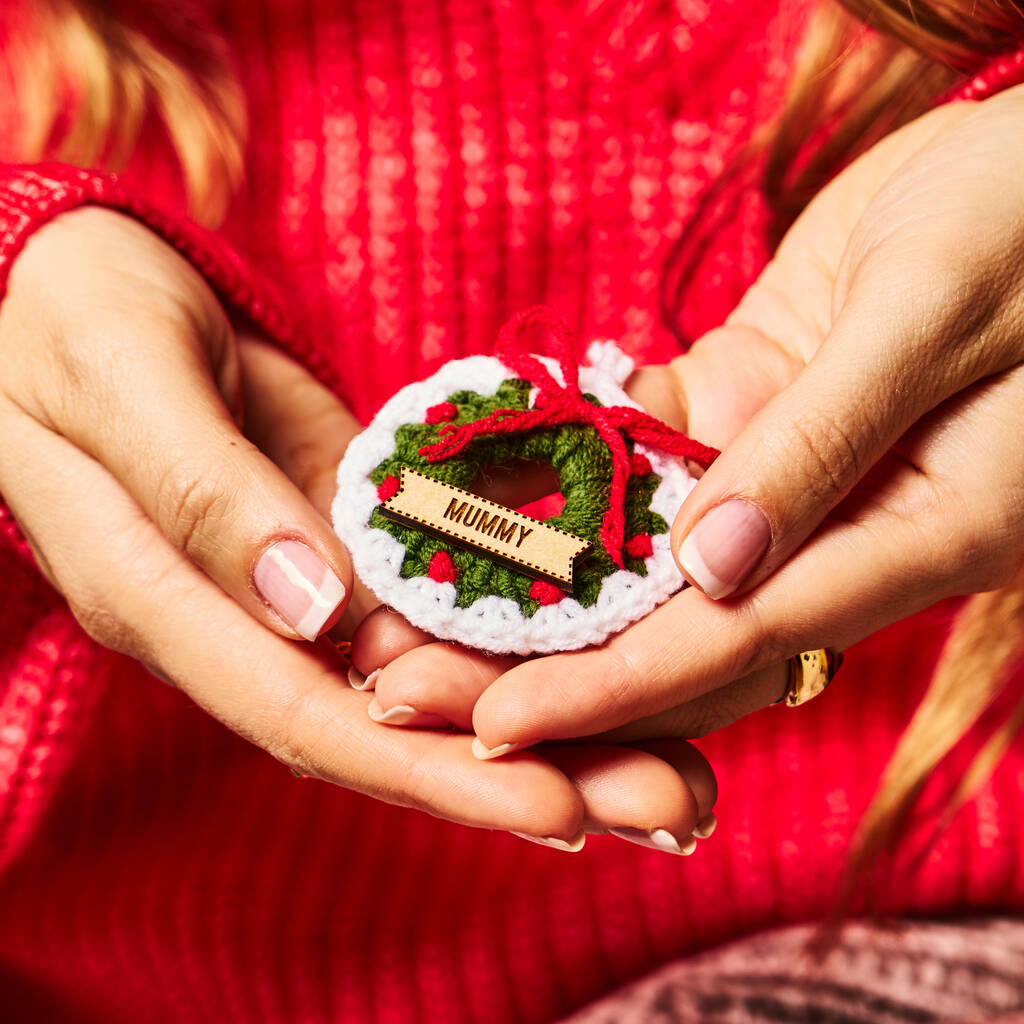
(656, 839)
(482, 753)
(724, 546)
(297, 584)
(706, 826)
(574, 845)
(358, 681)
(404, 714)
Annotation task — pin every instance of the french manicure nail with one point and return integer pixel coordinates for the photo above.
(358, 681)
(482, 753)
(299, 586)
(706, 826)
(656, 839)
(721, 550)
(404, 714)
(574, 845)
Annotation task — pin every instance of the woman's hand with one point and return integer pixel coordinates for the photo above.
(149, 509)
(869, 393)
(114, 347)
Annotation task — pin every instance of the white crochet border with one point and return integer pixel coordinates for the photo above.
(492, 623)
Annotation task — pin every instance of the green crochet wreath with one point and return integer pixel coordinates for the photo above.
(584, 466)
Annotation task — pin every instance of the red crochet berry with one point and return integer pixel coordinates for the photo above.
(442, 568)
(387, 488)
(545, 593)
(443, 412)
(639, 546)
(639, 465)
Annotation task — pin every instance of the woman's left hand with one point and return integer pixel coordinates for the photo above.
(869, 394)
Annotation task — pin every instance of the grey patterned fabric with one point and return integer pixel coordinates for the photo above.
(968, 971)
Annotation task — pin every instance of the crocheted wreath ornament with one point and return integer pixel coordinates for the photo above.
(616, 492)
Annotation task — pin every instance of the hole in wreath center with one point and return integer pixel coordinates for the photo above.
(533, 488)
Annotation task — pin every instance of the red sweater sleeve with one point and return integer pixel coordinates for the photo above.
(31, 195)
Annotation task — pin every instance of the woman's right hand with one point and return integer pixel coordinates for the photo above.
(178, 541)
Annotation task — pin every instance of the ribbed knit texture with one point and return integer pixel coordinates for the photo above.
(418, 170)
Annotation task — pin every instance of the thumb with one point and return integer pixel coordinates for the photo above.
(883, 365)
(217, 496)
(799, 455)
(225, 501)
(767, 492)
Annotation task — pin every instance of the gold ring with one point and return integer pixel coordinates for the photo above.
(809, 674)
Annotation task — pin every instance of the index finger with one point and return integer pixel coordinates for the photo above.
(848, 580)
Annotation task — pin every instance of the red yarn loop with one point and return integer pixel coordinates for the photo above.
(442, 568)
(558, 404)
(639, 546)
(388, 488)
(545, 593)
(443, 412)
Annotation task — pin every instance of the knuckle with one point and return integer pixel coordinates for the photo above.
(283, 744)
(416, 783)
(1005, 540)
(726, 705)
(967, 558)
(760, 639)
(720, 708)
(618, 683)
(975, 544)
(291, 730)
(301, 732)
(192, 504)
(982, 561)
(702, 718)
(103, 625)
(826, 455)
(743, 696)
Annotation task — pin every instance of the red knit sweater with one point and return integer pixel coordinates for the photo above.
(418, 170)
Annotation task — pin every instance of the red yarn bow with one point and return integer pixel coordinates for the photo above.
(557, 404)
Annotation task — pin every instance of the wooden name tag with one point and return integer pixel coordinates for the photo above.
(503, 534)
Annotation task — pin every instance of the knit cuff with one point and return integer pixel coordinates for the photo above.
(31, 196)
